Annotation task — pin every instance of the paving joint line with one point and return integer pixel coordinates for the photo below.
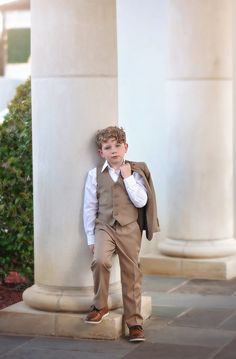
(218, 350)
(184, 312)
(3, 355)
(224, 320)
(178, 286)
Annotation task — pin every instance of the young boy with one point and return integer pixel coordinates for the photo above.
(119, 203)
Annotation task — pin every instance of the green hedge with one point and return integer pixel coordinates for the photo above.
(16, 194)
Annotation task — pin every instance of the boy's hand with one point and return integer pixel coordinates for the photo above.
(125, 170)
(92, 248)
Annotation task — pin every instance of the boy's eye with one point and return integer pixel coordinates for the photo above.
(118, 145)
(107, 147)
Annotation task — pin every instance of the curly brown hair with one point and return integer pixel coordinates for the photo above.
(105, 134)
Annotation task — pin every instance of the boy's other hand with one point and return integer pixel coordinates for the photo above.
(125, 170)
(92, 248)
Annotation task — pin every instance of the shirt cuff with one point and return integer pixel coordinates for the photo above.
(130, 181)
(91, 239)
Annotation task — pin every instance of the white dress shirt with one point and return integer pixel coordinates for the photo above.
(135, 188)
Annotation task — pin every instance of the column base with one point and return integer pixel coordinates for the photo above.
(22, 320)
(217, 268)
(199, 249)
(54, 299)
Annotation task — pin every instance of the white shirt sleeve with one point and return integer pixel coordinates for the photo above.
(90, 205)
(136, 189)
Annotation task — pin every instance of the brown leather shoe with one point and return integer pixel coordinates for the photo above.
(136, 334)
(96, 315)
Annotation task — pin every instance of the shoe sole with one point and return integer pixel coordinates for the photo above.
(90, 322)
(137, 340)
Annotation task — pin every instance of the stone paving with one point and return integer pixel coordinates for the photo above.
(191, 319)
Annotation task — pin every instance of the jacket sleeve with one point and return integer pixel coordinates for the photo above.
(148, 219)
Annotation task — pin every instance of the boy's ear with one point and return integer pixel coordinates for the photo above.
(100, 153)
(126, 146)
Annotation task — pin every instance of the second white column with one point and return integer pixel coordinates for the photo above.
(199, 123)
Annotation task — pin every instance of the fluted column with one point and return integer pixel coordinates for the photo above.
(74, 92)
(200, 196)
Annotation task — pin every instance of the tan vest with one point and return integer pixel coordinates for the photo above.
(113, 201)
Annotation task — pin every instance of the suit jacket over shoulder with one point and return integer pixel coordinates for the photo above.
(147, 216)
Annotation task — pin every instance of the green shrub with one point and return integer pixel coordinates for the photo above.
(16, 194)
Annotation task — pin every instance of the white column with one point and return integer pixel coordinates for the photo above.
(200, 196)
(74, 92)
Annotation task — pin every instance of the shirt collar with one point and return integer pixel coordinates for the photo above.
(106, 164)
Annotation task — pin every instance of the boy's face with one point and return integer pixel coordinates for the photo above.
(113, 152)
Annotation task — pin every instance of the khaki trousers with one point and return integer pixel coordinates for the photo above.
(125, 242)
